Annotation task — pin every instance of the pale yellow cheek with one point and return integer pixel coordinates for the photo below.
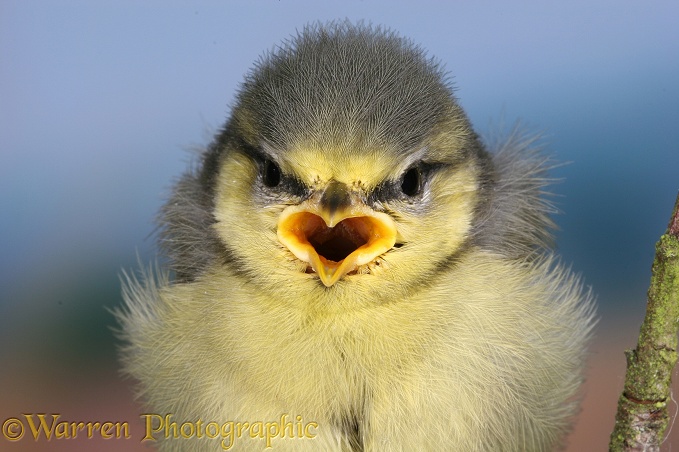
(235, 179)
(445, 226)
(236, 219)
(245, 228)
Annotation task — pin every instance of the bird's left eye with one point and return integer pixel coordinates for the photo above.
(411, 183)
(271, 174)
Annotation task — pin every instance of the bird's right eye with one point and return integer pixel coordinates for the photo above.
(271, 174)
(411, 183)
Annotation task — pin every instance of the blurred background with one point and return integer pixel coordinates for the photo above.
(102, 102)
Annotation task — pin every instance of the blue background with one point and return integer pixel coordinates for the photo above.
(101, 104)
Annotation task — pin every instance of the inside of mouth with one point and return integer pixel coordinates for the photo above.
(335, 244)
(333, 252)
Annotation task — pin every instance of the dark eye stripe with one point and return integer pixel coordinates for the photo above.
(410, 184)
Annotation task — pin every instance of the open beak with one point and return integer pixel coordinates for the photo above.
(335, 232)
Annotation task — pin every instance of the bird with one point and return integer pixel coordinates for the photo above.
(349, 266)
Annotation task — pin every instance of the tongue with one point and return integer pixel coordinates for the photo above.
(335, 244)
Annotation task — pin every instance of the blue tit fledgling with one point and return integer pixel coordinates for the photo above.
(351, 261)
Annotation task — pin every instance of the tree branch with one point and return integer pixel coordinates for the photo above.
(642, 415)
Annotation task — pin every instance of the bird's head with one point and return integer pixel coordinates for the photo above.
(347, 161)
